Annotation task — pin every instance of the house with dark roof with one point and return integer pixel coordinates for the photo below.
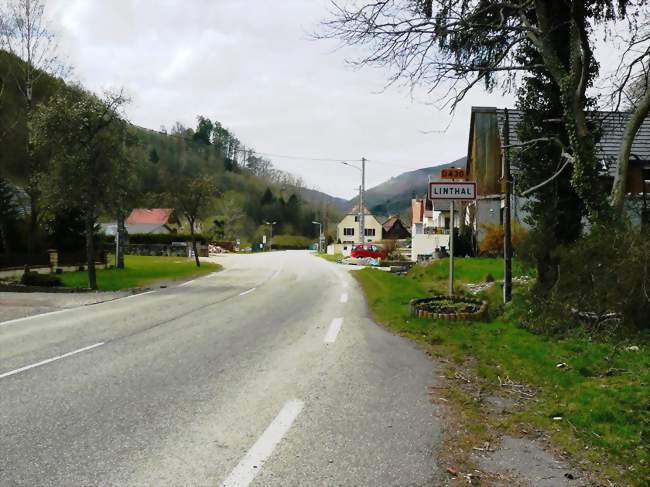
(484, 161)
(394, 229)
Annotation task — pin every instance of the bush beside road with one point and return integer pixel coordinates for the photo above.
(590, 398)
(141, 271)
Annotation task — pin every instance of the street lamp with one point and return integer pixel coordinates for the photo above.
(270, 224)
(320, 236)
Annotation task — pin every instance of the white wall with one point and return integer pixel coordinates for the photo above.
(349, 222)
(422, 244)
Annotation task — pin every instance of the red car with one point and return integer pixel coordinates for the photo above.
(361, 251)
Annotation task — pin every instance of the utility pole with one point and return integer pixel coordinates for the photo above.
(507, 230)
(362, 220)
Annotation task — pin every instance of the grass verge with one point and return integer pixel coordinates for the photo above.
(141, 271)
(331, 258)
(596, 408)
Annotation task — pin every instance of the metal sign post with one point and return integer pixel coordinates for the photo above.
(451, 250)
(452, 191)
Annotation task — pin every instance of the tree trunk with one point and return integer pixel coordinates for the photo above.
(121, 235)
(4, 238)
(585, 178)
(196, 252)
(623, 161)
(547, 275)
(90, 252)
(33, 225)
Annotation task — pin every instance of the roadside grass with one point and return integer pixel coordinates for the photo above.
(331, 258)
(435, 276)
(602, 396)
(140, 271)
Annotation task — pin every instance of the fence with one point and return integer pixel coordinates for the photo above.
(18, 261)
(180, 249)
(76, 259)
(50, 259)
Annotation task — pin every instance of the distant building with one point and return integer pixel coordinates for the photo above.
(394, 229)
(348, 230)
(430, 226)
(150, 221)
(484, 162)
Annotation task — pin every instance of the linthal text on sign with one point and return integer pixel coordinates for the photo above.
(461, 191)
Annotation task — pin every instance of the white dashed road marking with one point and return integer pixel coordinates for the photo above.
(246, 292)
(19, 320)
(333, 330)
(344, 297)
(249, 466)
(49, 360)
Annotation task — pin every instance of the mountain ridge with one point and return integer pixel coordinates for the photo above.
(393, 197)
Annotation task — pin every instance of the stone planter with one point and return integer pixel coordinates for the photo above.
(420, 308)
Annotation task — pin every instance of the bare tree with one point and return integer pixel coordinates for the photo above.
(631, 84)
(450, 46)
(26, 35)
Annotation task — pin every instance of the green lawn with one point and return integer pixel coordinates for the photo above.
(141, 271)
(603, 396)
(466, 269)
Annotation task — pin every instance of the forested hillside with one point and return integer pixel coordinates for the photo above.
(243, 190)
(394, 196)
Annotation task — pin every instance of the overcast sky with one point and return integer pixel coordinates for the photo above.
(252, 65)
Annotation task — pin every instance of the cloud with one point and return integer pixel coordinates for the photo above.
(253, 66)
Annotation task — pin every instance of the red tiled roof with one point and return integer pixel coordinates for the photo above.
(158, 216)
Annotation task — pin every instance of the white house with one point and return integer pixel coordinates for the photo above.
(430, 226)
(348, 230)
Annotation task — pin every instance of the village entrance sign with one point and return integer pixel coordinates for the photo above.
(450, 190)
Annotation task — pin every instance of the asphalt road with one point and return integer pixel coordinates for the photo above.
(267, 373)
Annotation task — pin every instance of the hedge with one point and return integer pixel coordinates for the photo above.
(154, 238)
(291, 242)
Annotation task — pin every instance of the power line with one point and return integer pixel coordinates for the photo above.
(297, 157)
(303, 158)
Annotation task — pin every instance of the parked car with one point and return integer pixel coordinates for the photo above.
(361, 251)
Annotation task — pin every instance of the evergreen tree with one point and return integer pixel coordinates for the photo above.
(554, 211)
(203, 133)
(267, 197)
(8, 213)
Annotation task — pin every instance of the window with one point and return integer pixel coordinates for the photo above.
(370, 232)
(348, 231)
(356, 219)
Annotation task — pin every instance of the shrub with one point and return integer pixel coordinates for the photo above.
(606, 271)
(41, 280)
(492, 243)
(391, 248)
(291, 242)
(489, 277)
